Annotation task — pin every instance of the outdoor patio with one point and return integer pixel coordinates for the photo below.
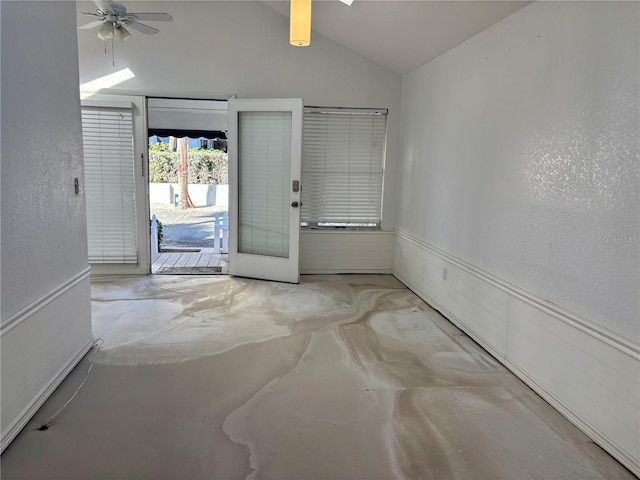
(189, 241)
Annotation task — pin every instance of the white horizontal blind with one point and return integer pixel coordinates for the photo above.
(264, 165)
(110, 184)
(342, 166)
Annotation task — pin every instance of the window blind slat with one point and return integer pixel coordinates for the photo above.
(110, 185)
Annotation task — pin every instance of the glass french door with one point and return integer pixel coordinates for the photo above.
(264, 147)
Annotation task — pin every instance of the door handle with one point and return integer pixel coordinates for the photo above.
(294, 204)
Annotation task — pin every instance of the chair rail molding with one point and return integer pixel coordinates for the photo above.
(21, 315)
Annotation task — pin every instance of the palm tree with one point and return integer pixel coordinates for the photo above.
(183, 172)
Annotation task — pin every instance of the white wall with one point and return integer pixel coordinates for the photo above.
(522, 156)
(46, 322)
(41, 153)
(201, 195)
(520, 204)
(217, 49)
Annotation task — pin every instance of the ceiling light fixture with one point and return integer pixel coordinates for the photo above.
(106, 31)
(300, 26)
(123, 33)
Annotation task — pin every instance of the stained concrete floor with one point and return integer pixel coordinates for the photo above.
(340, 377)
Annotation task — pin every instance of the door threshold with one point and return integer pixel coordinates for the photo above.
(190, 271)
(179, 250)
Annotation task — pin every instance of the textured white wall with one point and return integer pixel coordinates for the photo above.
(46, 305)
(43, 223)
(217, 49)
(521, 156)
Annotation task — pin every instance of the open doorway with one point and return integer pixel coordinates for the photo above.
(188, 186)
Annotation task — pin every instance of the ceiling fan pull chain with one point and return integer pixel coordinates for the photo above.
(113, 55)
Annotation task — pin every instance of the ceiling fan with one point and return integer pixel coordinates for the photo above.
(114, 18)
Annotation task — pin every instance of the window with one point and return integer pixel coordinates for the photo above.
(110, 184)
(342, 166)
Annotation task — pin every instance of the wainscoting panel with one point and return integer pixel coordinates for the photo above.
(46, 339)
(477, 305)
(348, 251)
(588, 373)
(593, 383)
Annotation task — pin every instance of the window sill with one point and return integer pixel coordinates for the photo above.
(341, 229)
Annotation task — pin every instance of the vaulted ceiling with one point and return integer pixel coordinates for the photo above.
(403, 34)
(397, 34)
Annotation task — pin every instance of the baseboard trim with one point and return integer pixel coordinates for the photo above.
(27, 312)
(316, 271)
(603, 334)
(579, 421)
(19, 423)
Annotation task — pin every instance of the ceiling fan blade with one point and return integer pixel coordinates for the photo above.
(154, 17)
(91, 25)
(104, 6)
(141, 27)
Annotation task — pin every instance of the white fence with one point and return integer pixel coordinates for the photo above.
(201, 195)
(220, 233)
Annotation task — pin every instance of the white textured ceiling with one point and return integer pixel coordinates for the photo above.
(402, 34)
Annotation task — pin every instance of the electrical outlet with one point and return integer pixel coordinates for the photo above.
(445, 273)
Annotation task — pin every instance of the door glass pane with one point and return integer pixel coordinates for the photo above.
(264, 163)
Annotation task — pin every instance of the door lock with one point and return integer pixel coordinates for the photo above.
(295, 186)
(294, 204)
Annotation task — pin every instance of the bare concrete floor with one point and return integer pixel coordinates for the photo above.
(340, 377)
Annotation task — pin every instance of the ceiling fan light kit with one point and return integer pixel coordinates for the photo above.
(300, 23)
(123, 33)
(106, 31)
